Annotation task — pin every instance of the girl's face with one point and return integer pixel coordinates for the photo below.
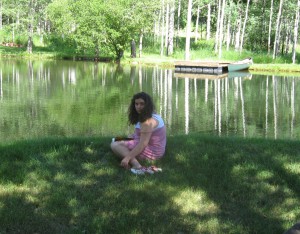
(139, 105)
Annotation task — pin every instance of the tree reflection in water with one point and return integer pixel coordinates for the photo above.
(67, 98)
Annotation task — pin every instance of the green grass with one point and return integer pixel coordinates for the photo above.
(203, 50)
(208, 185)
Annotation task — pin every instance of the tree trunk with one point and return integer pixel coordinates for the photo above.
(13, 32)
(296, 26)
(263, 23)
(221, 29)
(188, 30)
(270, 28)
(238, 33)
(97, 52)
(244, 26)
(167, 24)
(277, 34)
(208, 22)
(156, 28)
(133, 49)
(288, 37)
(31, 12)
(18, 20)
(197, 23)
(218, 27)
(120, 54)
(228, 36)
(141, 44)
(162, 28)
(178, 17)
(29, 43)
(170, 47)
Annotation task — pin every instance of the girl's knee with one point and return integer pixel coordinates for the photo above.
(113, 145)
(116, 144)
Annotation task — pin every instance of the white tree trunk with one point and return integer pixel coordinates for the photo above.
(162, 28)
(167, 24)
(197, 24)
(156, 27)
(244, 25)
(288, 37)
(208, 22)
(30, 26)
(141, 44)
(188, 30)
(296, 26)
(178, 17)
(228, 34)
(218, 27)
(277, 34)
(170, 46)
(238, 33)
(270, 28)
(221, 29)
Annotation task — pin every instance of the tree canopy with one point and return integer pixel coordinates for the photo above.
(108, 26)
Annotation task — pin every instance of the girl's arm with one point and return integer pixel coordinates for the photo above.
(146, 132)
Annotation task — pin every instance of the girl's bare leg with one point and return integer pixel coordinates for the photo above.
(120, 149)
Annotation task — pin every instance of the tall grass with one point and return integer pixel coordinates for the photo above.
(208, 185)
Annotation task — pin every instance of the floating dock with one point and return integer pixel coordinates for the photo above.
(204, 67)
(211, 67)
(200, 76)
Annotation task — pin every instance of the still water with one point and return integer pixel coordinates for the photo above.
(67, 98)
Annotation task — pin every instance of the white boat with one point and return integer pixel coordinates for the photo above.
(240, 65)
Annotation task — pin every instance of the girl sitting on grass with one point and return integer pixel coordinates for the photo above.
(149, 138)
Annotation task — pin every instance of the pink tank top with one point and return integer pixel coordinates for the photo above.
(157, 143)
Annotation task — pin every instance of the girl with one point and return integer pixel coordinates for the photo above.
(149, 138)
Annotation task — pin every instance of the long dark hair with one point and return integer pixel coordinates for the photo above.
(133, 116)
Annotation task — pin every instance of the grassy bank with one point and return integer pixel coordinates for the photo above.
(263, 63)
(208, 185)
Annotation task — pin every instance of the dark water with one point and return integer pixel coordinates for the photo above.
(67, 98)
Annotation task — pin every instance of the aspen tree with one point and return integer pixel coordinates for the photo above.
(188, 30)
(244, 26)
(208, 22)
(170, 45)
(221, 28)
(296, 26)
(270, 27)
(218, 27)
(277, 34)
(162, 29)
(197, 23)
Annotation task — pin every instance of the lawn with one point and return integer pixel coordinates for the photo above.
(208, 185)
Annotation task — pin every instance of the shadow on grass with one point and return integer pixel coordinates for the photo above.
(208, 185)
(250, 180)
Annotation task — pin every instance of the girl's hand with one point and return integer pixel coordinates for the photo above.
(125, 162)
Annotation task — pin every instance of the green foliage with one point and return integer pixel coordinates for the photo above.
(108, 26)
(59, 43)
(203, 44)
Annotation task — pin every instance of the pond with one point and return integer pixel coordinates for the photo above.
(67, 98)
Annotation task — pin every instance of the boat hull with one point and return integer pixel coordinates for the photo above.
(241, 65)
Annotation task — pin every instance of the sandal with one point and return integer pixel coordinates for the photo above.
(142, 170)
(155, 169)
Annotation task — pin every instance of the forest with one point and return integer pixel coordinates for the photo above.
(108, 28)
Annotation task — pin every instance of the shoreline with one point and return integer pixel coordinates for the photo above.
(165, 62)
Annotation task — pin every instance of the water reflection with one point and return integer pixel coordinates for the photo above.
(66, 98)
